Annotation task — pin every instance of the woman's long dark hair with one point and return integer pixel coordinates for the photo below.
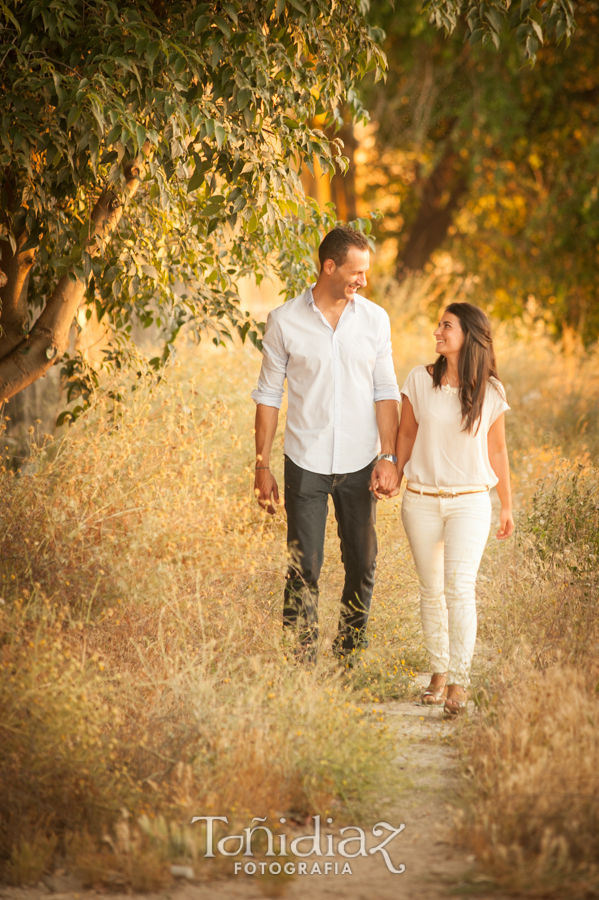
(476, 364)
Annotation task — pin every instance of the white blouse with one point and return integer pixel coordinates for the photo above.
(443, 454)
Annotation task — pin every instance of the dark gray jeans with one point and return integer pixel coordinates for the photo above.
(306, 501)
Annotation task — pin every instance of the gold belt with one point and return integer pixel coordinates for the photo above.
(445, 493)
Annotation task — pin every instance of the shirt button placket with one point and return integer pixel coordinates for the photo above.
(335, 465)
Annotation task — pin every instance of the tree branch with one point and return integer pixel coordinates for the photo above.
(49, 337)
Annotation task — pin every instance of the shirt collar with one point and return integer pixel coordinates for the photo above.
(310, 299)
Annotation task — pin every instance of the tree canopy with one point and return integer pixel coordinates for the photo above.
(193, 118)
(493, 159)
(532, 22)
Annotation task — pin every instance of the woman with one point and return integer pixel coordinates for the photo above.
(451, 449)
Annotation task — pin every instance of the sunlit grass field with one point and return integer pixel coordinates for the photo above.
(143, 666)
(142, 658)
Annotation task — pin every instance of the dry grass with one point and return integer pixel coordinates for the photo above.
(530, 809)
(142, 667)
(142, 662)
(533, 801)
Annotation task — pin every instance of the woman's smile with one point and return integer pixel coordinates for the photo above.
(449, 335)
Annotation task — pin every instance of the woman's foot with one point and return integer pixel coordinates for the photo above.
(455, 703)
(436, 692)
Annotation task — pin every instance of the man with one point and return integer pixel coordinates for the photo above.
(334, 348)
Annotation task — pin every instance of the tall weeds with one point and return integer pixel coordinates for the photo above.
(143, 675)
(142, 666)
(531, 757)
(533, 800)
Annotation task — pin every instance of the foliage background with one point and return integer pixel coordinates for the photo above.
(482, 161)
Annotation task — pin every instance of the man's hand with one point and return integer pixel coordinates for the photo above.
(383, 482)
(266, 490)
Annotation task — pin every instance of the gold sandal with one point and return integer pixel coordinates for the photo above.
(436, 692)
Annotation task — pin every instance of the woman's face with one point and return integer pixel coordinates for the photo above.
(449, 336)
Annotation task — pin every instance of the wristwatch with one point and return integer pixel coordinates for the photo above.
(389, 456)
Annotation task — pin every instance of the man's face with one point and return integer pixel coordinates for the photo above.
(348, 278)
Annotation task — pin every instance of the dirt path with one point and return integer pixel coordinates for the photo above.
(433, 867)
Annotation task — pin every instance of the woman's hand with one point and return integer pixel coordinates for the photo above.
(392, 493)
(383, 483)
(506, 524)
(501, 467)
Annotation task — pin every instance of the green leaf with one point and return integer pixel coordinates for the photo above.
(114, 135)
(252, 222)
(280, 8)
(6, 11)
(532, 45)
(150, 271)
(538, 30)
(224, 26)
(495, 20)
(217, 54)
(243, 98)
(152, 51)
(201, 24)
(169, 168)
(220, 135)
(73, 115)
(31, 243)
(476, 36)
(231, 12)
(196, 180)
(297, 5)
(535, 14)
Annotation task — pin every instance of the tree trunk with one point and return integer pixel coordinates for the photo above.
(28, 358)
(13, 295)
(440, 196)
(343, 187)
(34, 407)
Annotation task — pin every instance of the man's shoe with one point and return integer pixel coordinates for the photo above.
(345, 648)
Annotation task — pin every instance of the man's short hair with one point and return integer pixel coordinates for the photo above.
(338, 241)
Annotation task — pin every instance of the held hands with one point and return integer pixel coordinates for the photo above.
(266, 490)
(384, 483)
(506, 524)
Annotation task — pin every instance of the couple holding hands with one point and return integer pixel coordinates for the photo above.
(344, 439)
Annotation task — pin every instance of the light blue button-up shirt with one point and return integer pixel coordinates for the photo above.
(334, 377)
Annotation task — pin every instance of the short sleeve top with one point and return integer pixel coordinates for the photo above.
(445, 456)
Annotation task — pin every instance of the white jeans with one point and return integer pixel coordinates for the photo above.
(447, 537)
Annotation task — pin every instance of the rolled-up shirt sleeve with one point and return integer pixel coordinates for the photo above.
(271, 380)
(384, 377)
